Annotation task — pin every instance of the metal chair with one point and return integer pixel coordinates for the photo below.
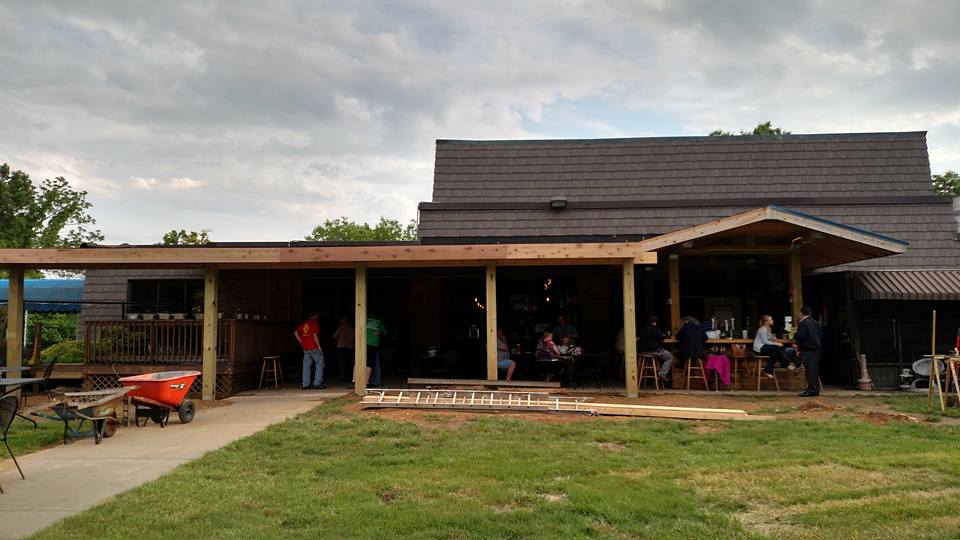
(8, 411)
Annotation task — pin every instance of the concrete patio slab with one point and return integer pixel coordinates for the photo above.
(64, 480)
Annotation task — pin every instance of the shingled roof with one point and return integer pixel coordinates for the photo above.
(636, 188)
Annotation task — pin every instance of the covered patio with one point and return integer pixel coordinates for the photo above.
(225, 347)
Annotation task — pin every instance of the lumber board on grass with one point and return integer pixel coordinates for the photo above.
(681, 413)
(507, 401)
(483, 382)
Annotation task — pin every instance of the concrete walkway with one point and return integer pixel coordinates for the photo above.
(64, 480)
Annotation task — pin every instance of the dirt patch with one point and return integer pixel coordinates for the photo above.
(611, 446)
(632, 474)
(784, 406)
(704, 427)
(554, 497)
(389, 496)
(769, 521)
(881, 418)
(819, 406)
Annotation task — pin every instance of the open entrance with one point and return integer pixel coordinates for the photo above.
(436, 317)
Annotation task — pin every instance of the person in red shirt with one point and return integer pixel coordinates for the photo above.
(308, 335)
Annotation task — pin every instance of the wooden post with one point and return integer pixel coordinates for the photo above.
(630, 329)
(15, 320)
(796, 285)
(934, 368)
(211, 283)
(491, 309)
(360, 329)
(674, 271)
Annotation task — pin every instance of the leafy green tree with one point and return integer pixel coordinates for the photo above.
(186, 238)
(42, 216)
(47, 215)
(947, 183)
(345, 230)
(765, 128)
(56, 327)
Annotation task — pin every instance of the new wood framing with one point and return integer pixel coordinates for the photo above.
(412, 255)
(493, 400)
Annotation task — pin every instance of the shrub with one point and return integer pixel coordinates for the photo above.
(66, 352)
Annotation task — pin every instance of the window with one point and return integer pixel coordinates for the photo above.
(164, 295)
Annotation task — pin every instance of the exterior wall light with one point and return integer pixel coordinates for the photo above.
(558, 202)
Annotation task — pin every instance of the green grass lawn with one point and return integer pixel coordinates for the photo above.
(24, 439)
(333, 473)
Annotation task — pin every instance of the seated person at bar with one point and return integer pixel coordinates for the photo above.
(765, 345)
(567, 348)
(564, 329)
(504, 361)
(650, 340)
(547, 351)
(546, 348)
(691, 340)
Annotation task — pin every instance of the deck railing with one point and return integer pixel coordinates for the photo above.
(154, 342)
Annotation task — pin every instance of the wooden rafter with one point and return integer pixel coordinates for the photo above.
(874, 243)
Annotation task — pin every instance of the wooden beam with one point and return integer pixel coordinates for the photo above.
(211, 283)
(772, 214)
(706, 229)
(291, 256)
(490, 308)
(734, 250)
(360, 329)
(796, 284)
(630, 329)
(15, 318)
(674, 276)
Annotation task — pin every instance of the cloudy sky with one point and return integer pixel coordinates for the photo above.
(260, 120)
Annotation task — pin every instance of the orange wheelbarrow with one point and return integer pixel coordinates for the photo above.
(158, 394)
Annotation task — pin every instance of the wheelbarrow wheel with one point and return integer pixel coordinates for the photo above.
(186, 411)
(110, 429)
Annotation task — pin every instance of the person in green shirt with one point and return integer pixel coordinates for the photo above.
(375, 331)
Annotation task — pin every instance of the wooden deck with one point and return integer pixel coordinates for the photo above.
(119, 348)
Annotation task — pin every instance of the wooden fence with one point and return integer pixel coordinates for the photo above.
(116, 348)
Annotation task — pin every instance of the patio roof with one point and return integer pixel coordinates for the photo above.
(295, 255)
(907, 285)
(776, 230)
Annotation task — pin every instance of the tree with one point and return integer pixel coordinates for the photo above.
(345, 230)
(765, 128)
(49, 215)
(947, 183)
(182, 237)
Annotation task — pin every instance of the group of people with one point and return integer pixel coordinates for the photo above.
(561, 343)
(308, 335)
(692, 344)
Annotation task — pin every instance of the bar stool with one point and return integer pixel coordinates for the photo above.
(761, 360)
(738, 352)
(649, 369)
(270, 370)
(688, 373)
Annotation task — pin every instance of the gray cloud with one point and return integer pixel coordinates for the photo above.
(283, 114)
